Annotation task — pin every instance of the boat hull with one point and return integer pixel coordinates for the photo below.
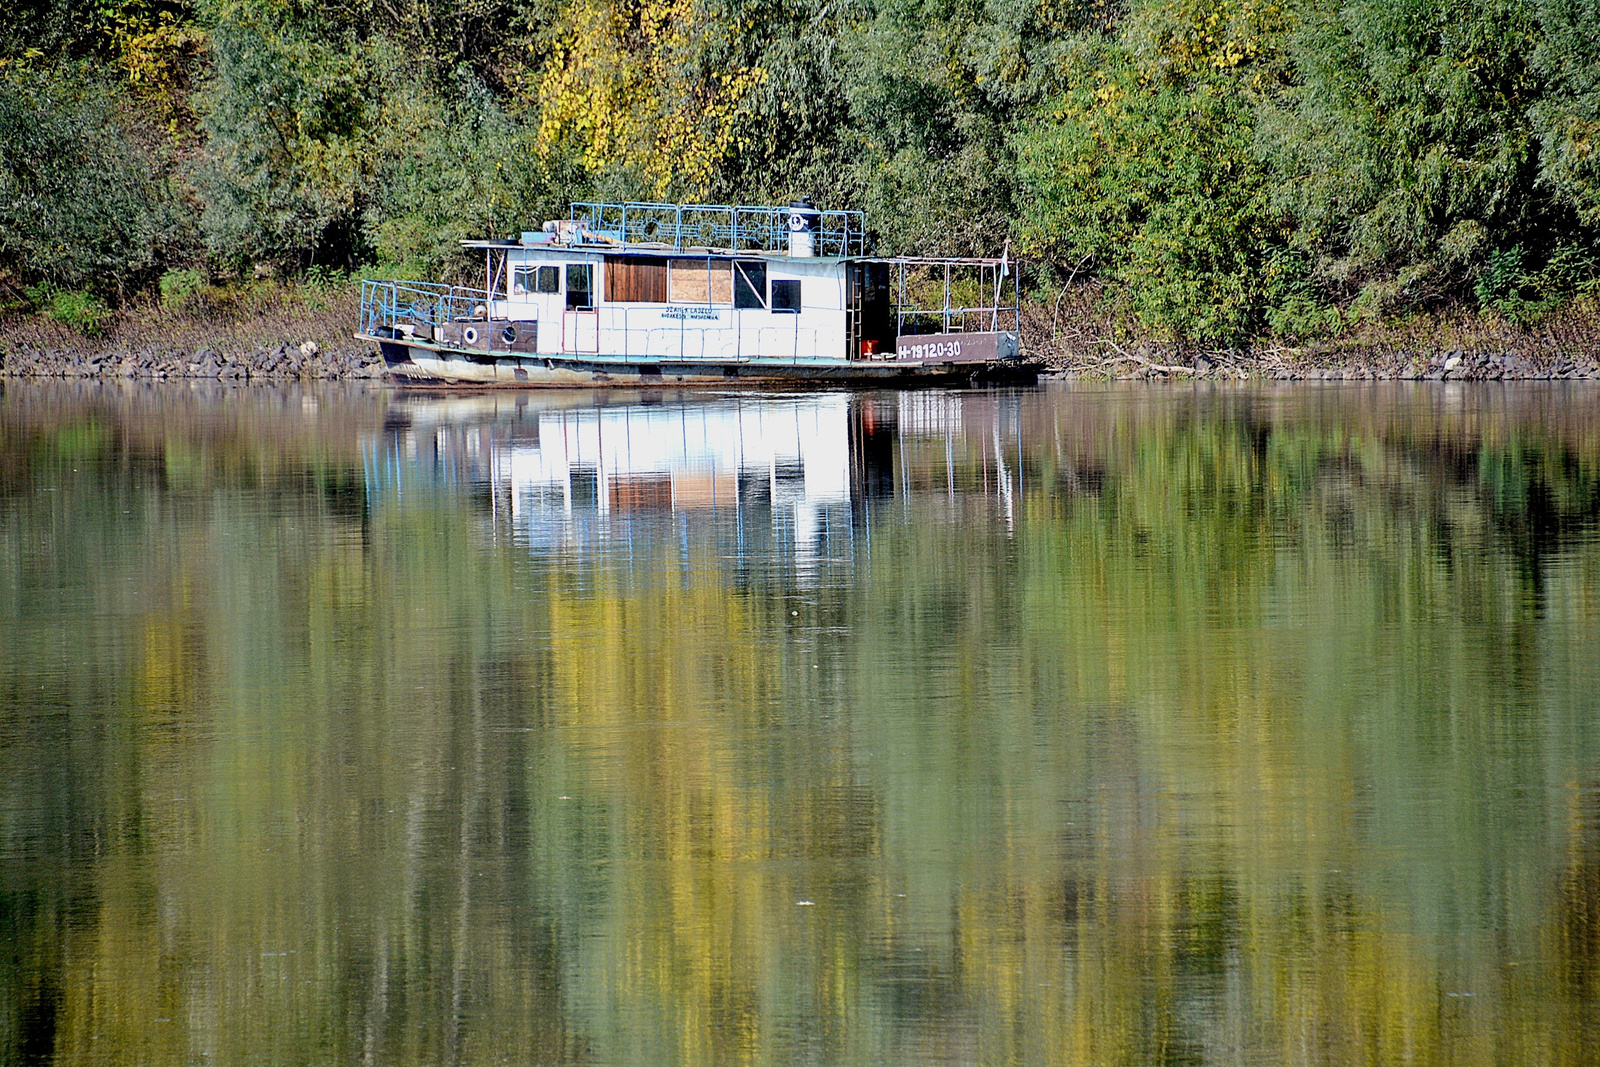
(409, 361)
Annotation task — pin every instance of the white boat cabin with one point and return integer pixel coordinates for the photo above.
(638, 304)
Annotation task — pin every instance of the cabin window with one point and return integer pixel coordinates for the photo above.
(636, 280)
(528, 280)
(579, 285)
(750, 284)
(700, 281)
(786, 295)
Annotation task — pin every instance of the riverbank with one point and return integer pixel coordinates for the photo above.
(1149, 361)
(279, 335)
(1077, 338)
(289, 334)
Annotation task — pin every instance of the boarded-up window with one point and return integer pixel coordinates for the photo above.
(636, 280)
(700, 281)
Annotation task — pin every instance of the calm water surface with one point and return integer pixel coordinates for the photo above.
(1078, 725)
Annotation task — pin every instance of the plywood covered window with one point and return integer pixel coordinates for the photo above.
(636, 280)
(700, 281)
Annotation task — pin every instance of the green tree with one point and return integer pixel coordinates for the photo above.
(1567, 116)
(1403, 146)
(456, 169)
(288, 118)
(82, 204)
(1146, 165)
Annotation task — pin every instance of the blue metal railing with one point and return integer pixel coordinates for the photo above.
(737, 228)
(387, 304)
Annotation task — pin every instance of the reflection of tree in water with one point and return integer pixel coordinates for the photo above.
(1577, 917)
(1236, 738)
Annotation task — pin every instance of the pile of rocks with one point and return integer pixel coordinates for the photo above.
(1456, 365)
(1469, 366)
(283, 362)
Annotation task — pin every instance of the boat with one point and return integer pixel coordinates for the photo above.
(681, 294)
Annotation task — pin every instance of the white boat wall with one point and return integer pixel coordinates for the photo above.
(682, 294)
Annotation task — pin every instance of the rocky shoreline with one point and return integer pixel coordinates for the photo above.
(345, 359)
(1454, 365)
(279, 335)
(284, 334)
(283, 362)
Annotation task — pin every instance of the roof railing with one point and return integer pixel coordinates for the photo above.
(723, 227)
(387, 304)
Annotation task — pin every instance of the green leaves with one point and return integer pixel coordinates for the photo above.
(1225, 168)
(1235, 167)
(1404, 121)
(81, 310)
(1147, 163)
(82, 205)
(288, 123)
(452, 170)
(1567, 116)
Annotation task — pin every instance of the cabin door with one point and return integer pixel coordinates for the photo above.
(580, 331)
(869, 315)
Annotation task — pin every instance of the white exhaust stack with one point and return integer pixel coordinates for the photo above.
(803, 220)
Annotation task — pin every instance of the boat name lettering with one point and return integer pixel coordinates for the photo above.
(692, 314)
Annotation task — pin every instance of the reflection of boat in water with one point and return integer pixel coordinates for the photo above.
(788, 453)
(577, 471)
(657, 294)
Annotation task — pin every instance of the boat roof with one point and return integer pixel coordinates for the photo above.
(641, 228)
(723, 253)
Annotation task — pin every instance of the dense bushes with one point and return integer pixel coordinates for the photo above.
(1292, 168)
(1147, 166)
(288, 118)
(81, 203)
(1225, 169)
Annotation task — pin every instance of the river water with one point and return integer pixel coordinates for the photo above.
(1086, 725)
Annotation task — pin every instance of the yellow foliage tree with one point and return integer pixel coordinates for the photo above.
(159, 52)
(633, 85)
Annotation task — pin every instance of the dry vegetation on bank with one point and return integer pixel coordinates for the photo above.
(1076, 337)
(266, 331)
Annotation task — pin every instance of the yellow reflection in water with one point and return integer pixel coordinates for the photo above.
(1051, 727)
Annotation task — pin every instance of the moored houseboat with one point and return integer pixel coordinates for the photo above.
(637, 293)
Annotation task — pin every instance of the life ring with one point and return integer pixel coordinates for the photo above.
(470, 335)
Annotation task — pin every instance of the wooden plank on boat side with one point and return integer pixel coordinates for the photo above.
(636, 279)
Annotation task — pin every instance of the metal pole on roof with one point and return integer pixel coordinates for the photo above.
(1016, 301)
(900, 305)
(947, 298)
